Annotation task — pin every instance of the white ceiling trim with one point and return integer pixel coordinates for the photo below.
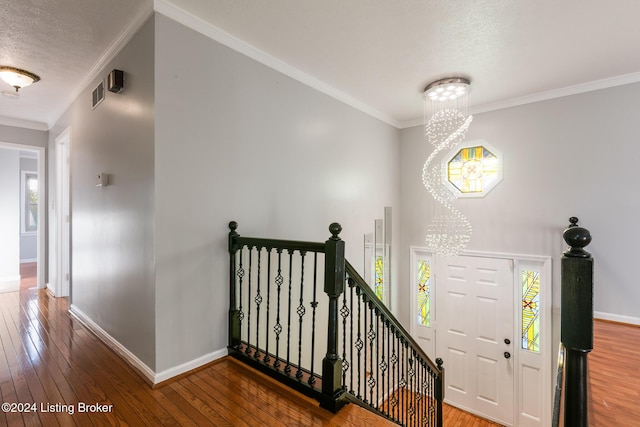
(168, 9)
(20, 123)
(118, 44)
(543, 96)
(558, 93)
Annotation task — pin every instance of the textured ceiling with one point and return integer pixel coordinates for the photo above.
(381, 53)
(61, 41)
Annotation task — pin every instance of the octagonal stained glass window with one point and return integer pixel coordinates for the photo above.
(473, 170)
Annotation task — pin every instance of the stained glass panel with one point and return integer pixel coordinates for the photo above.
(531, 310)
(473, 169)
(379, 277)
(424, 292)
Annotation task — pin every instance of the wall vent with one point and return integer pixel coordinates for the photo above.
(98, 95)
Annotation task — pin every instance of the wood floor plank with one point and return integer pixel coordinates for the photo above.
(614, 376)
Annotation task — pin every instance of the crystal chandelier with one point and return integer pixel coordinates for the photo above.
(446, 123)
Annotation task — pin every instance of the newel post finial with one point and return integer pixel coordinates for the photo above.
(335, 229)
(577, 238)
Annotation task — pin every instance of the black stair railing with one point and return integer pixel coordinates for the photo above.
(571, 403)
(302, 314)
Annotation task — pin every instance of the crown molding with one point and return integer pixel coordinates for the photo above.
(26, 124)
(168, 9)
(543, 96)
(558, 93)
(116, 46)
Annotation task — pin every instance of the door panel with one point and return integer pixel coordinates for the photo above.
(475, 316)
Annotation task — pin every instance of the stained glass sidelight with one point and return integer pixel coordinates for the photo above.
(531, 310)
(379, 277)
(424, 292)
(473, 170)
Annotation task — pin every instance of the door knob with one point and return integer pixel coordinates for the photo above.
(507, 355)
(507, 341)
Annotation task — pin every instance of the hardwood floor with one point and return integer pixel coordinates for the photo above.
(614, 375)
(28, 273)
(49, 359)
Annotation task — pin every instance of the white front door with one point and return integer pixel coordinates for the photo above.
(475, 334)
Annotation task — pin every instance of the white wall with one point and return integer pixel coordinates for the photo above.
(572, 156)
(236, 140)
(9, 220)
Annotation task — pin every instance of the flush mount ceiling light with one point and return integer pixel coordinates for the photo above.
(16, 77)
(448, 89)
(446, 123)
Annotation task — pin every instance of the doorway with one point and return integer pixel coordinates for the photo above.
(488, 316)
(35, 212)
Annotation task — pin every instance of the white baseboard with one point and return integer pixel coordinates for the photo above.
(189, 366)
(113, 344)
(9, 283)
(24, 261)
(152, 377)
(616, 318)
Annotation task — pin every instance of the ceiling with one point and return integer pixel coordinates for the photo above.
(377, 55)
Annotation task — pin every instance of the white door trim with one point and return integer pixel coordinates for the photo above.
(62, 210)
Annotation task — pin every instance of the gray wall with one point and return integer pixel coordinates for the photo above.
(236, 140)
(15, 135)
(571, 156)
(28, 242)
(112, 227)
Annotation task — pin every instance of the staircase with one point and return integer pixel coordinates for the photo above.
(300, 313)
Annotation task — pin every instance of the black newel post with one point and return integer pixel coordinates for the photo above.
(439, 392)
(334, 278)
(234, 313)
(576, 322)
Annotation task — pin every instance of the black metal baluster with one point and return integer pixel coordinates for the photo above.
(351, 285)
(359, 343)
(425, 389)
(418, 391)
(430, 398)
(403, 383)
(394, 371)
(278, 327)
(377, 359)
(344, 312)
(365, 360)
(300, 310)
(314, 306)
(412, 387)
(389, 389)
(241, 277)
(383, 362)
(248, 349)
(258, 301)
(287, 368)
(371, 335)
(267, 358)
